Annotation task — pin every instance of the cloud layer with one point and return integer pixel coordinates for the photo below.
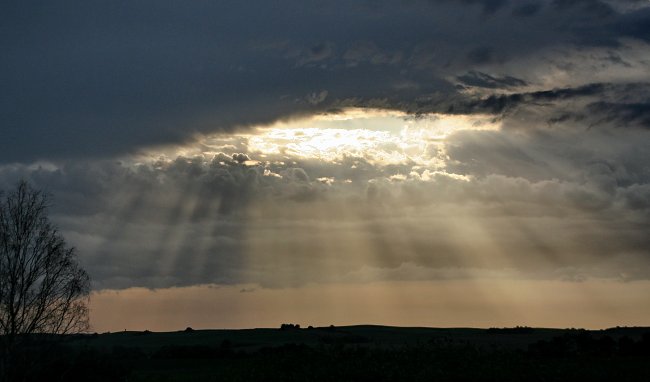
(564, 203)
(514, 140)
(95, 79)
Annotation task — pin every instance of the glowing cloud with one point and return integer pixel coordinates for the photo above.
(378, 136)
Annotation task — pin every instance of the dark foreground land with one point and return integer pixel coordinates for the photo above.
(351, 353)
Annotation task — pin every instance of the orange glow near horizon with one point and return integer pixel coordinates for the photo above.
(446, 303)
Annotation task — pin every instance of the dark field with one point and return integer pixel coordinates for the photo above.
(351, 353)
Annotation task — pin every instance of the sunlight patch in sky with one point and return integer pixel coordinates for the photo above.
(381, 137)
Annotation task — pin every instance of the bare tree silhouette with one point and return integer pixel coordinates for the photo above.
(43, 289)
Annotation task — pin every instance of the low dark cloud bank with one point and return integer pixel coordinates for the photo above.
(567, 205)
(94, 79)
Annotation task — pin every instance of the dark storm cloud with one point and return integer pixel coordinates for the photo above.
(484, 80)
(602, 105)
(526, 9)
(623, 114)
(496, 103)
(635, 25)
(589, 106)
(90, 78)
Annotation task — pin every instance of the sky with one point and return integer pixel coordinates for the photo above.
(415, 163)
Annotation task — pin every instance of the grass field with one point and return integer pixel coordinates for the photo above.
(367, 335)
(350, 353)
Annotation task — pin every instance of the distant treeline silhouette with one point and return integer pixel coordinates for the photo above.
(297, 326)
(515, 330)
